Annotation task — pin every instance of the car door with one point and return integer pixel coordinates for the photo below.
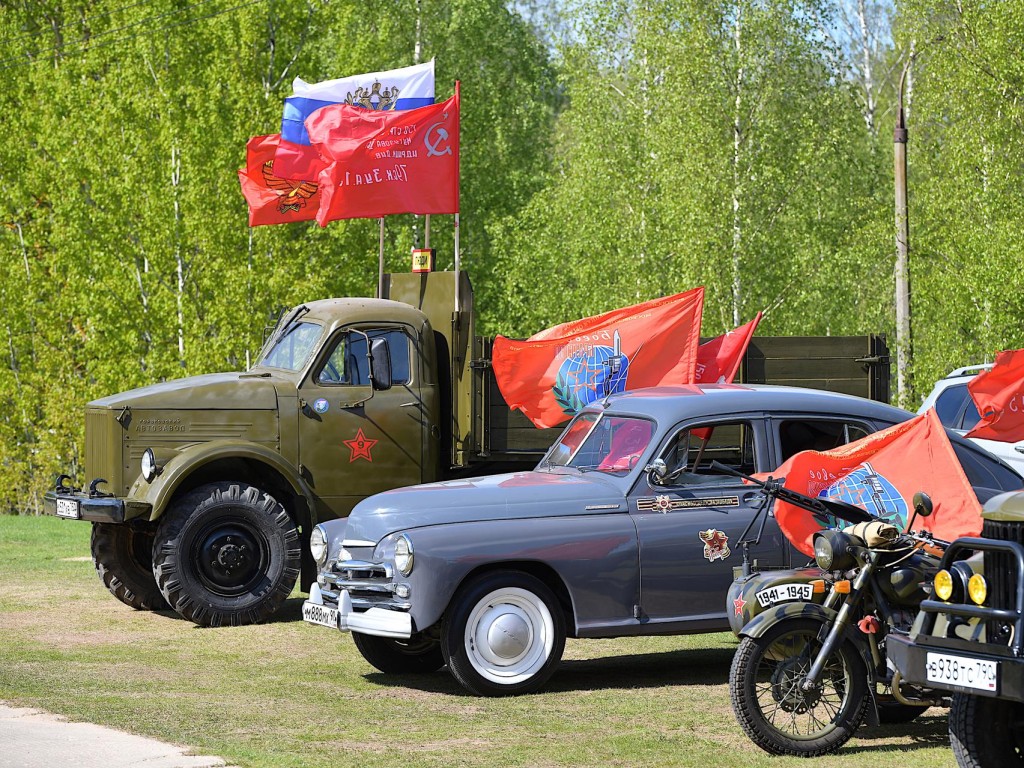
(355, 441)
(690, 526)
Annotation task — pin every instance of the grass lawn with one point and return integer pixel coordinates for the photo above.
(290, 694)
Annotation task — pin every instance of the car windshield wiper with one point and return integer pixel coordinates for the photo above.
(287, 324)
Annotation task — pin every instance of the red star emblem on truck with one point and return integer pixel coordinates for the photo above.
(360, 446)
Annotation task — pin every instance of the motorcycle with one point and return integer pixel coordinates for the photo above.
(807, 674)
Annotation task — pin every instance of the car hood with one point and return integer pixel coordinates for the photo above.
(496, 497)
(220, 391)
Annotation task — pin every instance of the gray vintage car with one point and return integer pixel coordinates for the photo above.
(622, 529)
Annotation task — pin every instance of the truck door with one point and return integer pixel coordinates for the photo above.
(355, 441)
(689, 528)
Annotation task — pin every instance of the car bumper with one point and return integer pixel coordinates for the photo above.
(373, 621)
(97, 509)
(911, 659)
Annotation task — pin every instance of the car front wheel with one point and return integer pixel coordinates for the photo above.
(505, 634)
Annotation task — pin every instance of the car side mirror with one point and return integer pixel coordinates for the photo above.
(380, 364)
(657, 471)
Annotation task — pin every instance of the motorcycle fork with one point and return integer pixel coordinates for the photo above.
(843, 621)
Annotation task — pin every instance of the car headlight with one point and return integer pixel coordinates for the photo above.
(403, 555)
(943, 585)
(318, 545)
(832, 551)
(149, 468)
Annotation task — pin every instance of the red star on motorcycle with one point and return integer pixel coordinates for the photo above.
(360, 446)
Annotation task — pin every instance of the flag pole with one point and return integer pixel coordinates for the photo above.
(426, 231)
(458, 170)
(380, 262)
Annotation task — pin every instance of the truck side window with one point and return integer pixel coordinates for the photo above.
(348, 363)
(797, 435)
(690, 453)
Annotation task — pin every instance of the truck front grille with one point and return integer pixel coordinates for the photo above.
(1001, 575)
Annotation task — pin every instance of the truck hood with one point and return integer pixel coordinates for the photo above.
(223, 391)
(497, 497)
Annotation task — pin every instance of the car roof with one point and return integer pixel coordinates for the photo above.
(681, 402)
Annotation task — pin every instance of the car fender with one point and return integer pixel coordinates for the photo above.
(173, 474)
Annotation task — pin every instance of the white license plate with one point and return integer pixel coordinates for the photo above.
(979, 674)
(784, 593)
(68, 508)
(323, 615)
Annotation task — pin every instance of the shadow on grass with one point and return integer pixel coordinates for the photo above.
(924, 732)
(290, 610)
(646, 670)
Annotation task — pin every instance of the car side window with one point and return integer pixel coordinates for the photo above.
(797, 435)
(949, 402)
(348, 363)
(690, 452)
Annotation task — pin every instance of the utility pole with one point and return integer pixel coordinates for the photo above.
(904, 341)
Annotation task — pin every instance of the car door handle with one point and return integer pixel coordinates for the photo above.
(746, 498)
(1019, 448)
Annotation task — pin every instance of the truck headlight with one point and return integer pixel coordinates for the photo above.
(149, 467)
(977, 588)
(403, 554)
(318, 545)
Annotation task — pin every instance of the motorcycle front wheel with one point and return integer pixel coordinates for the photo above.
(773, 708)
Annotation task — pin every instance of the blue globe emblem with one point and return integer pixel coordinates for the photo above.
(870, 491)
(586, 377)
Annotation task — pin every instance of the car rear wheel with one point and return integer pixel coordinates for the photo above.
(505, 634)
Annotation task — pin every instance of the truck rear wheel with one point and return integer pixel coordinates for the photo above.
(123, 557)
(226, 554)
(417, 655)
(505, 634)
(986, 732)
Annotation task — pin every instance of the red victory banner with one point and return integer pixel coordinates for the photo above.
(719, 360)
(998, 395)
(273, 199)
(382, 163)
(555, 373)
(880, 474)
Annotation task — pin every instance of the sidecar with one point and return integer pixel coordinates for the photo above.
(774, 589)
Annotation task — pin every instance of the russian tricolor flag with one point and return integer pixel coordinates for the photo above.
(405, 88)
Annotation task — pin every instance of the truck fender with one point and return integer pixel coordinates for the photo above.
(159, 493)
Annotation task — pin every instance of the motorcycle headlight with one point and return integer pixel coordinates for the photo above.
(403, 555)
(318, 545)
(832, 551)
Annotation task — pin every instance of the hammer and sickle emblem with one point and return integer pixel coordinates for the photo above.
(439, 136)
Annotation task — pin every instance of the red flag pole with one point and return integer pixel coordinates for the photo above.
(380, 262)
(458, 171)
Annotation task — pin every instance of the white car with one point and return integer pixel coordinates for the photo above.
(957, 412)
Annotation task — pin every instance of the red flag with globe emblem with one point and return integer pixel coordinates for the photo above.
(556, 372)
(881, 473)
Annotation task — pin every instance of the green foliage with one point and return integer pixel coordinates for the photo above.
(611, 152)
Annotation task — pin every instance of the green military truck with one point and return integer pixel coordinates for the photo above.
(203, 491)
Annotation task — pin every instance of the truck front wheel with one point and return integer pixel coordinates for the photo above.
(986, 732)
(505, 634)
(400, 657)
(226, 554)
(123, 557)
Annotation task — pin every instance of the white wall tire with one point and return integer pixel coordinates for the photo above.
(505, 634)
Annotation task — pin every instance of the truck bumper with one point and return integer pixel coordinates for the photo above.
(374, 621)
(97, 509)
(911, 659)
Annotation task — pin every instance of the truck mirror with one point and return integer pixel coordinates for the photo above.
(380, 364)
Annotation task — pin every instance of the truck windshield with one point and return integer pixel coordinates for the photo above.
(594, 441)
(292, 350)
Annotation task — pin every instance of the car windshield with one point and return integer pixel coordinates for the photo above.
(593, 441)
(292, 349)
